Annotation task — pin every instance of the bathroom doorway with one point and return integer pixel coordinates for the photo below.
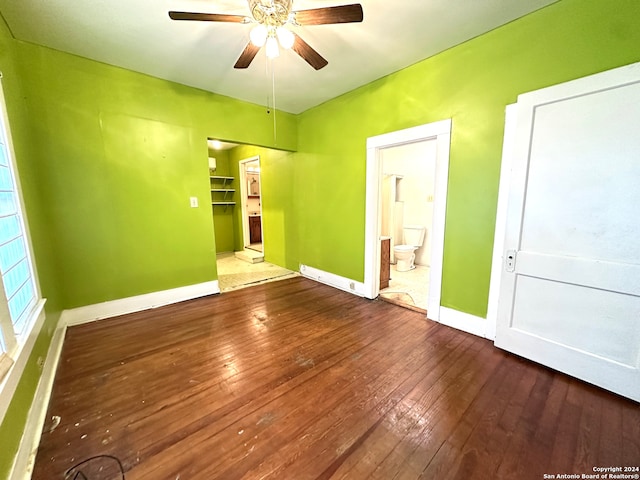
(251, 195)
(389, 183)
(406, 218)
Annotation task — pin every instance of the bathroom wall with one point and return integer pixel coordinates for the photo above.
(253, 205)
(253, 189)
(416, 163)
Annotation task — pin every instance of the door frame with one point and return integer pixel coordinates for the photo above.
(441, 132)
(508, 145)
(244, 195)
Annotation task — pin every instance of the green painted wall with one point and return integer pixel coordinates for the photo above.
(108, 159)
(223, 217)
(119, 156)
(279, 214)
(471, 83)
(16, 416)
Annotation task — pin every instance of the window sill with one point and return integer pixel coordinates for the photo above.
(20, 356)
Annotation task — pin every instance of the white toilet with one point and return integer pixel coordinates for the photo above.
(405, 254)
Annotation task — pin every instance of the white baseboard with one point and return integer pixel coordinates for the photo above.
(25, 458)
(463, 321)
(113, 308)
(447, 316)
(342, 283)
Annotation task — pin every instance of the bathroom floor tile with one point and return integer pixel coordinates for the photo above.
(410, 287)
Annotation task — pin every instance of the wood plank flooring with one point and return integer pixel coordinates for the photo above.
(297, 380)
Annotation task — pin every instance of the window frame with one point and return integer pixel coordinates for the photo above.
(15, 346)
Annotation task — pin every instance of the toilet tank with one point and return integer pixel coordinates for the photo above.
(413, 235)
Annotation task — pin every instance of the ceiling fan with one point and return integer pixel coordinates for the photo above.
(270, 17)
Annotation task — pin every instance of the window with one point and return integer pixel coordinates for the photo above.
(19, 293)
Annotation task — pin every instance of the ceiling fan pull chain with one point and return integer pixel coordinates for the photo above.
(267, 65)
(273, 97)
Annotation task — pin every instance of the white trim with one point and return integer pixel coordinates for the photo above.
(5, 363)
(581, 86)
(11, 343)
(113, 308)
(11, 339)
(9, 384)
(463, 321)
(439, 215)
(501, 219)
(441, 132)
(25, 459)
(342, 283)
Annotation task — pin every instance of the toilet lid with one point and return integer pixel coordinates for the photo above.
(404, 248)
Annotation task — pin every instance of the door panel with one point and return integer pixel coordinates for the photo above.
(584, 167)
(570, 288)
(589, 320)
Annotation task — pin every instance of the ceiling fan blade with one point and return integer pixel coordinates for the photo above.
(312, 57)
(322, 16)
(247, 56)
(207, 17)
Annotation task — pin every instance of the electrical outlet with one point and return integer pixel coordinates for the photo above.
(40, 362)
(194, 202)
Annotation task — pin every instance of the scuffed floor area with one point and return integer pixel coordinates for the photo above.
(234, 273)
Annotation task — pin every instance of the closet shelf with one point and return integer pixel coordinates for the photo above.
(221, 191)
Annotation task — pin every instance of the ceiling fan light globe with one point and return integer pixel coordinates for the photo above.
(258, 35)
(285, 37)
(272, 48)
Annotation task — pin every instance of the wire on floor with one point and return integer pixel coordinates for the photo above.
(86, 470)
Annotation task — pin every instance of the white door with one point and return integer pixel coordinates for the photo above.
(570, 286)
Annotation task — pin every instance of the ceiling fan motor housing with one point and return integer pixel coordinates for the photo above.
(270, 12)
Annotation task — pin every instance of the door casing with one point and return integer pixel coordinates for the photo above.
(244, 195)
(441, 132)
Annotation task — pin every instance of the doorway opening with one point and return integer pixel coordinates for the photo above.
(250, 192)
(237, 193)
(406, 218)
(400, 167)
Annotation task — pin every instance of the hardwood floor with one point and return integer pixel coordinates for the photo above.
(297, 380)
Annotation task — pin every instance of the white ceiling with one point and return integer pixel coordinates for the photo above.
(139, 35)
